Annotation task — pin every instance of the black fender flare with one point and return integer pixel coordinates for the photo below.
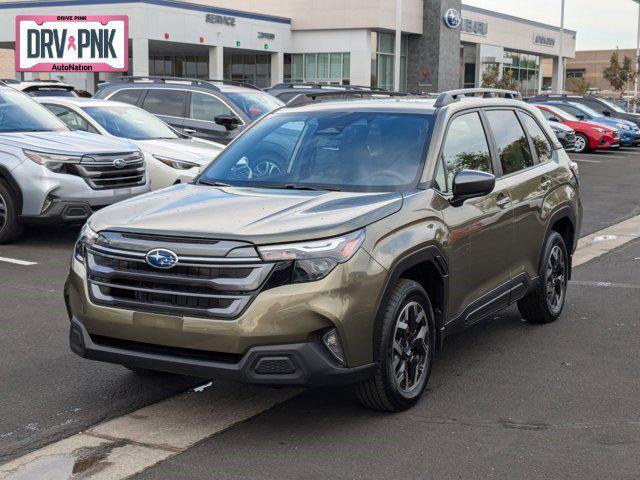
(564, 211)
(429, 253)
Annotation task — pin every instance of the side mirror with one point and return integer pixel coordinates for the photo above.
(606, 113)
(228, 121)
(555, 119)
(580, 116)
(471, 184)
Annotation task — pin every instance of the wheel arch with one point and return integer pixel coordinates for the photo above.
(562, 221)
(13, 185)
(427, 266)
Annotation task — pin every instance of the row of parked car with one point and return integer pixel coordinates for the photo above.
(63, 156)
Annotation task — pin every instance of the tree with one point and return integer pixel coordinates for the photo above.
(491, 78)
(619, 75)
(579, 86)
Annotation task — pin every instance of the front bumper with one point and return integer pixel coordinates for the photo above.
(61, 211)
(295, 364)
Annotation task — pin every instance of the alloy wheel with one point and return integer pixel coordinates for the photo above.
(580, 144)
(410, 347)
(556, 279)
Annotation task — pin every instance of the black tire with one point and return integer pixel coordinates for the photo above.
(578, 147)
(538, 306)
(382, 392)
(10, 229)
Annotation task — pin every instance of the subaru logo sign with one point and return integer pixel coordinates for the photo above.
(119, 163)
(452, 18)
(161, 258)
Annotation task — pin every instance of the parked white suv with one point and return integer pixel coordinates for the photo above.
(51, 174)
(171, 157)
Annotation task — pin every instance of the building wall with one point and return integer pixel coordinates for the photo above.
(7, 66)
(592, 63)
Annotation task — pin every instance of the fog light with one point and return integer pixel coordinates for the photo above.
(47, 203)
(332, 342)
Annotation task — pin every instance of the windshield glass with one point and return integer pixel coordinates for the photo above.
(562, 113)
(127, 121)
(353, 151)
(590, 112)
(255, 104)
(19, 113)
(612, 106)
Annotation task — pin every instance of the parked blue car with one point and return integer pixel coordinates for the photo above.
(629, 131)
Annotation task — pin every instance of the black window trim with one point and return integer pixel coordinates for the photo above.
(536, 158)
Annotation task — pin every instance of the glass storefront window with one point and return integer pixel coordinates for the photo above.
(179, 66)
(526, 70)
(324, 67)
(382, 60)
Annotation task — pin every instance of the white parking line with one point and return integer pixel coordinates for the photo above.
(580, 160)
(17, 262)
(124, 446)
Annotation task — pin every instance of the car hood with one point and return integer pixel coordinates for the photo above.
(255, 215)
(200, 152)
(68, 143)
(613, 122)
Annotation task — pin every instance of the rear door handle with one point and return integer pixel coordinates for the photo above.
(503, 200)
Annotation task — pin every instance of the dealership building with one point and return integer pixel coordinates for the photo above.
(333, 41)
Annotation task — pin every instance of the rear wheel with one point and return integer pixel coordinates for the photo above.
(545, 303)
(582, 143)
(405, 343)
(10, 229)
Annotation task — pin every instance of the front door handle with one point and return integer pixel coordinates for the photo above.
(189, 131)
(503, 200)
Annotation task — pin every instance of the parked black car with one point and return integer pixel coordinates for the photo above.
(602, 105)
(217, 110)
(565, 135)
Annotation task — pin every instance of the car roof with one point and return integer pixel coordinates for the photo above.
(81, 101)
(203, 85)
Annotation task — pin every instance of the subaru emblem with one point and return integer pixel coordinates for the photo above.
(452, 18)
(161, 258)
(119, 163)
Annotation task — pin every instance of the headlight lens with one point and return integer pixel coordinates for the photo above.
(53, 162)
(176, 163)
(315, 259)
(86, 237)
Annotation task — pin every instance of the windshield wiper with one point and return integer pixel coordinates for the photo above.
(214, 184)
(291, 186)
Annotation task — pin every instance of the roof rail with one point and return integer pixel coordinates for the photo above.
(323, 85)
(451, 96)
(201, 82)
(305, 98)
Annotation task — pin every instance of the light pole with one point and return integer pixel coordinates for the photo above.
(635, 77)
(398, 47)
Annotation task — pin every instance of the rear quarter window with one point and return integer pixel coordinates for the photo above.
(129, 95)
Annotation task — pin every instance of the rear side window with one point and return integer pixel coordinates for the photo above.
(129, 95)
(540, 141)
(465, 148)
(511, 141)
(71, 118)
(165, 102)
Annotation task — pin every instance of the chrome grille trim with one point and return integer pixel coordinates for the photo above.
(218, 287)
(100, 173)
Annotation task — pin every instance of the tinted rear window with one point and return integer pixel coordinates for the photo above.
(130, 95)
(165, 102)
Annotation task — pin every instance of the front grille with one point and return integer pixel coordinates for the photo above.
(101, 172)
(616, 134)
(201, 285)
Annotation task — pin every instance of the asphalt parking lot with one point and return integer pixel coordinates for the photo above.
(506, 399)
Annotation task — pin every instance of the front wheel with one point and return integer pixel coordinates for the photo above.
(405, 342)
(545, 303)
(582, 143)
(10, 229)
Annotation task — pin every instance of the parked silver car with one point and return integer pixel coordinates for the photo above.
(51, 174)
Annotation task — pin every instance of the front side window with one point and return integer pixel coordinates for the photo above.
(207, 107)
(465, 148)
(255, 104)
(19, 113)
(127, 121)
(540, 141)
(165, 102)
(576, 112)
(71, 118)
(342, 150)
(511, 141)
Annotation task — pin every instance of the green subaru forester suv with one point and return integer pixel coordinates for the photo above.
(335, 243)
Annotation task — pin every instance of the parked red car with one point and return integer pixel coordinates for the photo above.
(589, 135)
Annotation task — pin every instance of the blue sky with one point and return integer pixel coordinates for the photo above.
(601, 24)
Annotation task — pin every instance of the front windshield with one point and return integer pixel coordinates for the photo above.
(131, 122)
(341, 150)
(590, 112)
(255, 104)
(19, 113)
(612, 106)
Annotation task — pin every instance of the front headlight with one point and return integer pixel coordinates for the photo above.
(53, 162)
(86, 237)
(622, 126)
(176, 163)
(601, 130)
(315, 259)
